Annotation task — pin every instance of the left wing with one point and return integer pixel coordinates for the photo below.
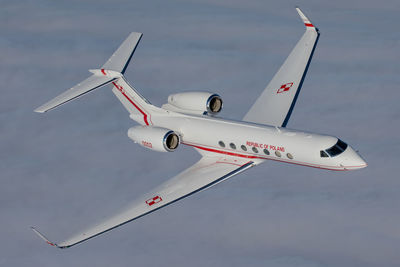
(275, 104)
(207, 172)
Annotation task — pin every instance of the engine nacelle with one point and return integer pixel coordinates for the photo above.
(196, 102)
(155, 138)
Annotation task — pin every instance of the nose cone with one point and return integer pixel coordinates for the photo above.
(351, 160)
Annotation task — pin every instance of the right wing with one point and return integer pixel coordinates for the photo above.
(207, 172)
(275, 104)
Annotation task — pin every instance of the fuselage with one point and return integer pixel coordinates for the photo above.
(262, 142)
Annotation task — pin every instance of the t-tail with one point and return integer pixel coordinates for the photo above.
(112, 72)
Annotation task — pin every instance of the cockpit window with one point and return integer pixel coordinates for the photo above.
(342, 145)
(337, 149)
(323, 154)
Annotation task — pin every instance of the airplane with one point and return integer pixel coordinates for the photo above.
(227, 147)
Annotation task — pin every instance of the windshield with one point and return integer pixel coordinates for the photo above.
(337, 149)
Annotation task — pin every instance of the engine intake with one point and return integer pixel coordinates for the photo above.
(171, 141)
(214, 104)
(155, 138)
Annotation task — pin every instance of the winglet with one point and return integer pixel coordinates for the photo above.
(306, 21)
(44, 238)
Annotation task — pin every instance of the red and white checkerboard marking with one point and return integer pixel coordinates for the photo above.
(153, 200)
(284, 87)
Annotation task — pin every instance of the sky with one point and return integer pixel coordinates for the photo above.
(70, 167)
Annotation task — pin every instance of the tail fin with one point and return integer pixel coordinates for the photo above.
(111, 73)
(138, 107)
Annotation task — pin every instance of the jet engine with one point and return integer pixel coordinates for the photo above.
(195, 103)
(155, 138)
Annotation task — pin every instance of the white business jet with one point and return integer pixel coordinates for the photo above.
(227, 147)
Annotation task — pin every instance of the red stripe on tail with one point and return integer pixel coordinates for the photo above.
(120, 88)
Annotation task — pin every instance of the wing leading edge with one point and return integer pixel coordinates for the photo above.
(207, 172)
(275, 104)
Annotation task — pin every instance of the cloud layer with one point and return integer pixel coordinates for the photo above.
(68, 168)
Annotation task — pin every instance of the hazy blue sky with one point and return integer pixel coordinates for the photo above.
(70, 167)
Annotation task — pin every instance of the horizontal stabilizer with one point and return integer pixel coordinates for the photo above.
(121, 57)
(91, 83)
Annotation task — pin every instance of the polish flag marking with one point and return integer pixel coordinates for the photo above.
(284, 87)
(153, 200)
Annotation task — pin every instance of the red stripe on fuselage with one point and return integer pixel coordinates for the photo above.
(309, 25)
(224, 152)
(119, 87)
(265, 158)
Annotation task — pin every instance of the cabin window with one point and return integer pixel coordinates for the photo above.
(221, 144)
(244, 148)
(290, 156)
(266, 152)
(232, 145)
(323, 154)
(278, 154)
(254, 149)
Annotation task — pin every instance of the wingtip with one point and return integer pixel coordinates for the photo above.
(39, 234)
(305, 20)
(38, 110)
(139, 34)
